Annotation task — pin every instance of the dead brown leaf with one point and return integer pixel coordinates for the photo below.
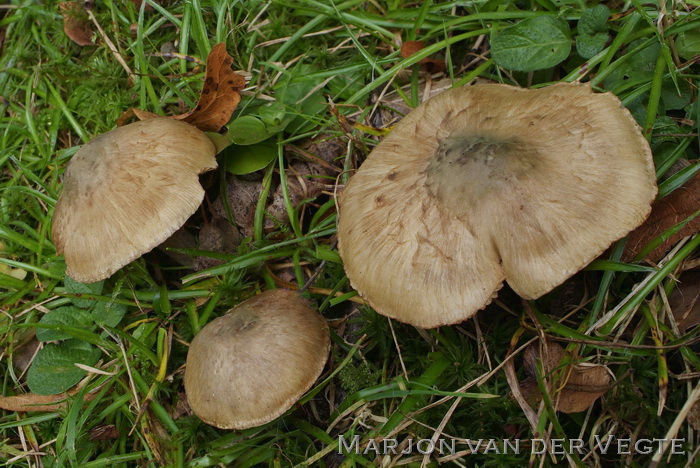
(75, 23)
(667, 212)
(139, 2)
(220, 94)
(685, 301)
(242, 198)
(218, 235)
(182, 408)
(409, 48)
(582, 384)
(132, 112)
(694, 416)
(104, 432)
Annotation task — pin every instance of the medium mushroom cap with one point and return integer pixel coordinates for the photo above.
(488, 183)
(127, 191)
(248, 367)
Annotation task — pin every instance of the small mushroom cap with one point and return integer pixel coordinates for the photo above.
(248, 367)
(127, 191)
(488, 183)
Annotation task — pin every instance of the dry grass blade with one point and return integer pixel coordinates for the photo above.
(512, 378)
(45, 403)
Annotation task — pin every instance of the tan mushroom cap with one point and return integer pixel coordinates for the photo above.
(488, 183)
(127, 191)
(248, 367)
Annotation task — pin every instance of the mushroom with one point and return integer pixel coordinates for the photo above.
(488, 183)
(127, 191)
(252, 364)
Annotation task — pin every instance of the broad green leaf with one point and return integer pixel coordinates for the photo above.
(74, 287)
(532, 44)
(53, 369)
(343, 86)
(688, 44)
(108, 313)
(313, 106)
(670, 96)
(221, 142)
(588, 45)
(594, 20)
(638, 68)
(296, 92)
(69, 316)
(272, 114)
(247, 130)
(246, 159)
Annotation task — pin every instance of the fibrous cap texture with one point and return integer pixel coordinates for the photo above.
(126, 191)
(251, 365)
(488, 183)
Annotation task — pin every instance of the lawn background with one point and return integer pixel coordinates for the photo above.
(384, 379)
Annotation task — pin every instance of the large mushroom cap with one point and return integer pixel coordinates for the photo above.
(126, 191)
(251, 365)
(488, 183)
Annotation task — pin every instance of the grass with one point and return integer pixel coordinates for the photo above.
(384, 379)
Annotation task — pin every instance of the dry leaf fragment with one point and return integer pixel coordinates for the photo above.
(242, 198)
(104, 432)
(132, 112)
(218, 235)
(75, 23)
(409, 48)
(667, 212)
(685, 301)
(182, 408)
(694, 416)
(34, 402)
(583, 383)
(139, 2)
(220, 94)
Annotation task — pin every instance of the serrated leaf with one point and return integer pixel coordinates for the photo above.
(108, 313)
(74, 287)
(246, 159)
(589, 45)
(594, 20)
(247, 130)
(69, 316)
(532, 44)
(53, 369)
